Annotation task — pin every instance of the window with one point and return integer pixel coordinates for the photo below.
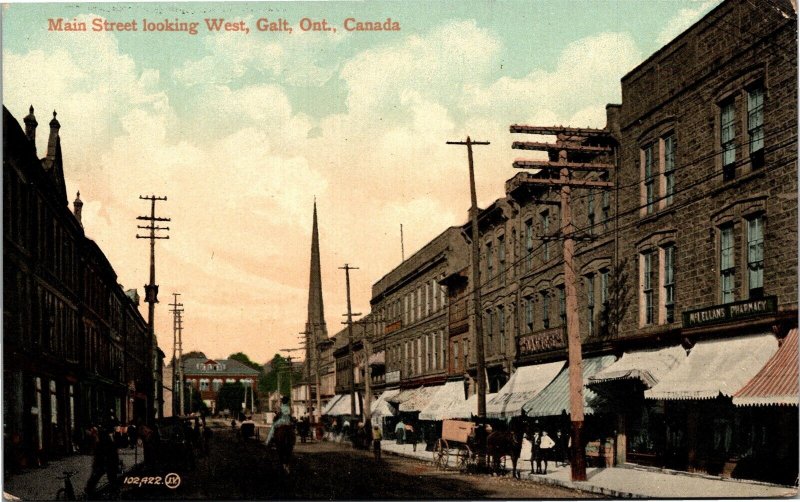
(53, 403)
(428, 353)
(545, 216)
(489, 331)
(590, 210)
(562, 305)
(545, 310)
(419, 355)
(647, 288)
(669, 283)
(755, 257)
(650, 168)
(669, 167)
(435, 295)
(456, 358)
(444, 349)
(726, 262)
(606, 209)
(604, 287)
(755, 123)
(529, 244)
(590, 301)
(529, 313)
(203, 384)
(489, 260)
(728, 140)
(501, 253)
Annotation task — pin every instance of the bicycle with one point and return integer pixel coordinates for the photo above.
(68, 492)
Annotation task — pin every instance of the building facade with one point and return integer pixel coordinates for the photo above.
(207, 376)
(75, 344)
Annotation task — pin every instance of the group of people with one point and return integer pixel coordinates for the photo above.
(545, 448)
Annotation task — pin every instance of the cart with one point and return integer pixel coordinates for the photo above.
(459, 441)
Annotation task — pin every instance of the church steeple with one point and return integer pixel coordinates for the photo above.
(315, 324)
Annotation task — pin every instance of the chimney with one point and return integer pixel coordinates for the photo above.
(51, 143)
(30, 127)
(78, 205)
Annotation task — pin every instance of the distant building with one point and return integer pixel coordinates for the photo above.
(206, 376)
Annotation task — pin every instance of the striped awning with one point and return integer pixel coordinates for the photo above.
(341, 406)
(381, 408)
(777, 382)
(421, 398)
(523, 386)
(468, 408)
(403, 396)
(716, 367)
(647, 366)
(555, 397)
(448, 397)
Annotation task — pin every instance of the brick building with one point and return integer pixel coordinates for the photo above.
(75, 344)
(206, 377)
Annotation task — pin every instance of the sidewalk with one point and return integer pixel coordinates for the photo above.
(43, 483)
(628, 481)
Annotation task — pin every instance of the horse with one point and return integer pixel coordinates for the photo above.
(284, 442)
(506, 443)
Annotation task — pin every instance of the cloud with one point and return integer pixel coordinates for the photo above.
(683, 19)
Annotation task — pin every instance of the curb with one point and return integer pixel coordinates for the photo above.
(700, 475)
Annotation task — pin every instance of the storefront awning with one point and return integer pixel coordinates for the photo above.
(381, 408)
(716, 367)
(421, 398)
(778, 381)
(403, 396)
(449, 396)
(523, 386)
(555, 397)
(469, 407)
(647, 366)
(377, 359)
(341, 406)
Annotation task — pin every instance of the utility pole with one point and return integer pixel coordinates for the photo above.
(182, 384)
(568, 140)
(366, 343)
(402, 245)
(476, 280)
(151, 297)
(176, 313)
(291, 369)
(347, 268)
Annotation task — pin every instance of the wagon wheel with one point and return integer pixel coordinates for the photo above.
(464, 458)
(440, 454)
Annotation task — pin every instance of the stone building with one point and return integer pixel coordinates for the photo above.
(75, 344)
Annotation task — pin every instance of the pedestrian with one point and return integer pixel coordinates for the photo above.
(284, 418)
(533, 437)
(106, 456)
(411, 435)
(132, 436)
(400, 432)
(377, 436)
(546, 444)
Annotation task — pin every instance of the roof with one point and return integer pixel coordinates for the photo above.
(231, 367)
(468, 408)
(777, 382)
(420, 399)
(647, 366)
(447, 397)
(716, 367)
(555, 397)
(523, 386)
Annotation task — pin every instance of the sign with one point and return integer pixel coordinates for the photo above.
(391, 328)
(393, 376)
(730, 312)
(541, 341)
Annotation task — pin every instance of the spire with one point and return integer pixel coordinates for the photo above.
(30, 127)
(51, 143)
(315, 325)
(78, 208)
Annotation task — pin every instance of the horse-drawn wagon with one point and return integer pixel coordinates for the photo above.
(470, 444)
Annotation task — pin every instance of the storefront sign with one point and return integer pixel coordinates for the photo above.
(393, 377)
(541, 341)
(391, 328)
(730, 312)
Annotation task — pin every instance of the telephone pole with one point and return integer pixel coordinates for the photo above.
(176, 314)
(568, 140)
(151, 297)
(181, 383)
(476, 280)
(347, 268)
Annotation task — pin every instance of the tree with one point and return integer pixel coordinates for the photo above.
(279, 366)
(193, 355)
(242, 358)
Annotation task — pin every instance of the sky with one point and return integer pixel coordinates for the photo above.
(242, 130)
